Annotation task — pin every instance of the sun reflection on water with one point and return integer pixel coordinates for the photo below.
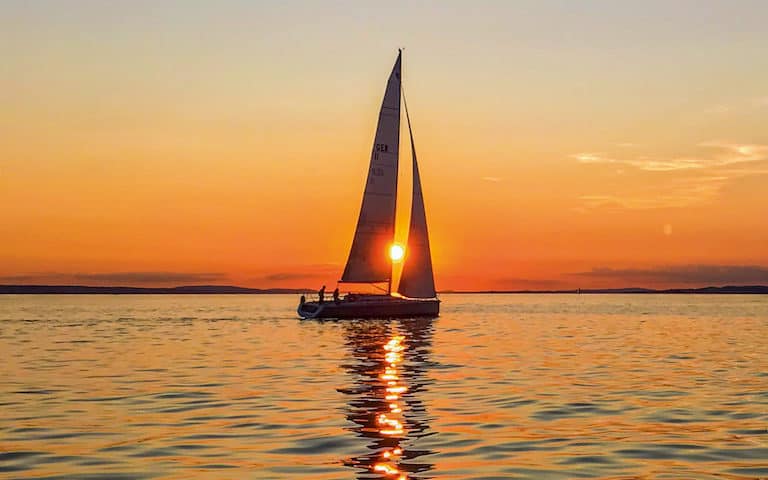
(391, 422)
(390, 359)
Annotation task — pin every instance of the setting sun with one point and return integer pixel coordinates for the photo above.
(396, 252)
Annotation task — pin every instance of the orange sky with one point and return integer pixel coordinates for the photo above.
(560, 145)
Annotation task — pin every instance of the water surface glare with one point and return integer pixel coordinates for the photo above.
(500, 386)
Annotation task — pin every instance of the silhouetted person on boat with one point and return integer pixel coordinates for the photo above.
(336, 295)
(321, 294)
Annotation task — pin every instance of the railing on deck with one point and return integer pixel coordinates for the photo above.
(375, 289)
(328, 297)
(343, 297)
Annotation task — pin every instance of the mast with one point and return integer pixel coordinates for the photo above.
(391, 265)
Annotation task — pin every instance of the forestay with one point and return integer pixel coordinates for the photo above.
(368, 259)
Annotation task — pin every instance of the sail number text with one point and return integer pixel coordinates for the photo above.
(379, 147)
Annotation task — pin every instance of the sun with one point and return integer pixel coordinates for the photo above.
(396, 252)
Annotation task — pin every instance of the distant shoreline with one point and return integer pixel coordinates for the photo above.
(726, 290)
(233, 290)
(187, 290)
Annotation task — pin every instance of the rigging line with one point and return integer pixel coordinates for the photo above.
(410, 132)
(414, 169)
(408, 118)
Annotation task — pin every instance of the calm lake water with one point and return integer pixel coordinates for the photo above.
(500, 386)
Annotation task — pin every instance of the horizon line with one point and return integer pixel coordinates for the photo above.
(234, 289)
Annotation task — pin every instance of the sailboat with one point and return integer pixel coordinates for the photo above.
(369, 260)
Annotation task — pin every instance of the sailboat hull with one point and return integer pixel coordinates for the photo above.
(371, 306)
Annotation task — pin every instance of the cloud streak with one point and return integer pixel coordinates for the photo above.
(698, 180)
(701, 275)
(284, 276)
(302, 272)
(132, 278)
(678, 193)
(531, 283)
(150, 277)
(726, 154)
(643, 163)
(760, 102)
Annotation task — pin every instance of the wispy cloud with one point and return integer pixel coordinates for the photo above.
(531, 283)
(493, 179)
(679, 193)
(736, 107)
(718, 109)
(760, 102)
(320, 271)
(150, 277)
(589, 157)
(702, 275)
(282, 276)
(642, 163)
(730, 153)
(29, 277)
(116, 278)
(665, 165)
(698, 179)
(725, 154)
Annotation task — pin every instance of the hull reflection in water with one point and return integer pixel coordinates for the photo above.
(388, 363)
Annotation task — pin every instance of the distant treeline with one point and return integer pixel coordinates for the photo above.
(225, 289)
(192, 289)
(730, 289)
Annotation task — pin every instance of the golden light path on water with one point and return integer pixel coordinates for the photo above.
(391, 422)
(499, 386)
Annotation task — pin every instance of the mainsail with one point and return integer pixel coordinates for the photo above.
(417, 279)
(368, 259)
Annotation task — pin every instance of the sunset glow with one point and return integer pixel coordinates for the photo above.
(399, 240)
(227, 143)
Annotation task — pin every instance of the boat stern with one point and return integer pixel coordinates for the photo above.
(308, 310)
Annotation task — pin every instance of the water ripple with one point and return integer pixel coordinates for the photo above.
(523, 386)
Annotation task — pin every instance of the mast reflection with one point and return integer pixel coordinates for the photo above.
(389, 361)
